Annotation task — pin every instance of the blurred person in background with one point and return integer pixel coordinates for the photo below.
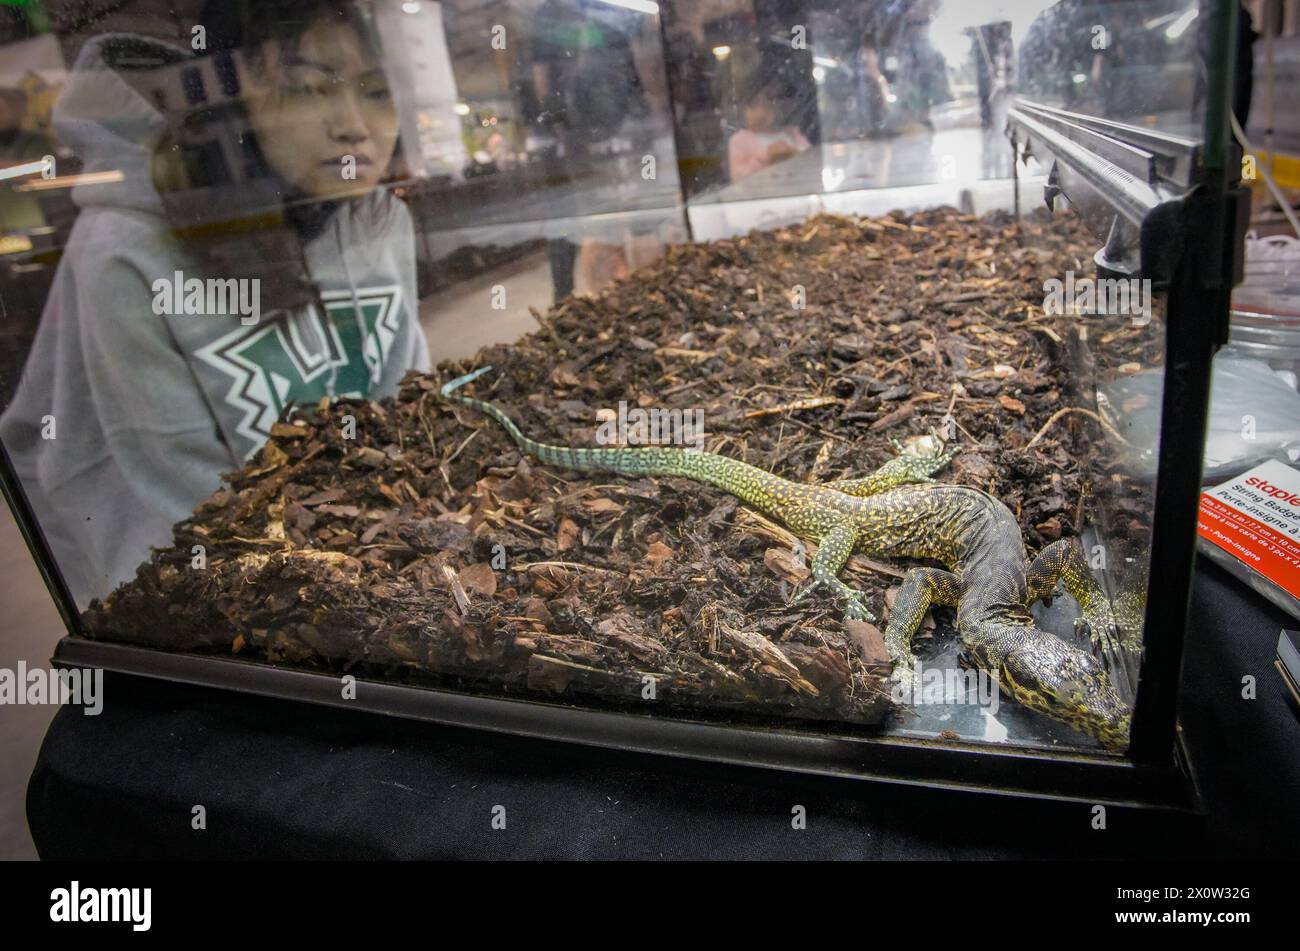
(922, 71)
(761, 142)
(872, 88)
(586, 105)
(129, 408)
(991, 51)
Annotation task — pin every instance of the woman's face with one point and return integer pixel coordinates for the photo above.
(759, 115)
(322, 111)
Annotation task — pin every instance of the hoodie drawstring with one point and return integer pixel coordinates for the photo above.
(357, 316)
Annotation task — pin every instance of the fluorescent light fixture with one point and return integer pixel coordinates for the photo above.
(27, 168)
(411, 6)
(722, 52)
(1179, 26)
(640, 6)
(827, 61)
(69, 181)
(461, 109)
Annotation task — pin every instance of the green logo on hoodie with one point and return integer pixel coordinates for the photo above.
(300, 357)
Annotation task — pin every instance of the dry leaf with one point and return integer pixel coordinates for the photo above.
(480, 579)
(344, 511)
(657, 554)
(786, 565)
(567, 534)
(869, 640)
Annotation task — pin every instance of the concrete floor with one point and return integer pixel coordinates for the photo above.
(457, 323)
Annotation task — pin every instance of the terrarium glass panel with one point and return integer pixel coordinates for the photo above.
(706, 361)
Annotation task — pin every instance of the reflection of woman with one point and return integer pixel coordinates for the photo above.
(761, 143)
(183, 318)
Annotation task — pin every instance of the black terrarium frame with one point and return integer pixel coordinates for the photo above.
(1173, 214)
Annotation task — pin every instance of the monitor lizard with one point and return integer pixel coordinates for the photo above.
(899, 511)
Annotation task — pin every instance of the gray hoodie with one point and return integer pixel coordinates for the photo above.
(126, 417)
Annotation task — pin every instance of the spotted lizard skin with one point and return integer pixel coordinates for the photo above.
(899, 512)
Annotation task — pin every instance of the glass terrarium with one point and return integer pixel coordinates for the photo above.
(746, 381)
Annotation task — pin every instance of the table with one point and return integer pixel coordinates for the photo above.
(283, 780)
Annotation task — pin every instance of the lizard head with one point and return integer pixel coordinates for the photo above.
(1048, 675)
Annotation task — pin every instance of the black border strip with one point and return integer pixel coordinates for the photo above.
(1016, 771)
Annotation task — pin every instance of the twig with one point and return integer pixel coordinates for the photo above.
(524, 525)
(819, 431)
(815, 402)
(977, 443)
(1084, 412)
(683, 387)
(468, 440)
(457, 591)
(428, 430)
(615, 486)
(570, 564)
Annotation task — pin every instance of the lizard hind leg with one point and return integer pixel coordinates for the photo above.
(922, 589)
(833, 551)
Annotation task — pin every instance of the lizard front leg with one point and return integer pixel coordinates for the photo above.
(1063, 561)
(832, 552)
(904, 469)
(922, 589)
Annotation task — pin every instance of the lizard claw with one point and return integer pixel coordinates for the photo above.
(802, 594)
(855, 607)
(1104, 636)
(942, 444)
(855, 603)
(1094, 634)
(902, 681)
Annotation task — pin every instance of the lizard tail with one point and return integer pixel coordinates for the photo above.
(658, 461)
